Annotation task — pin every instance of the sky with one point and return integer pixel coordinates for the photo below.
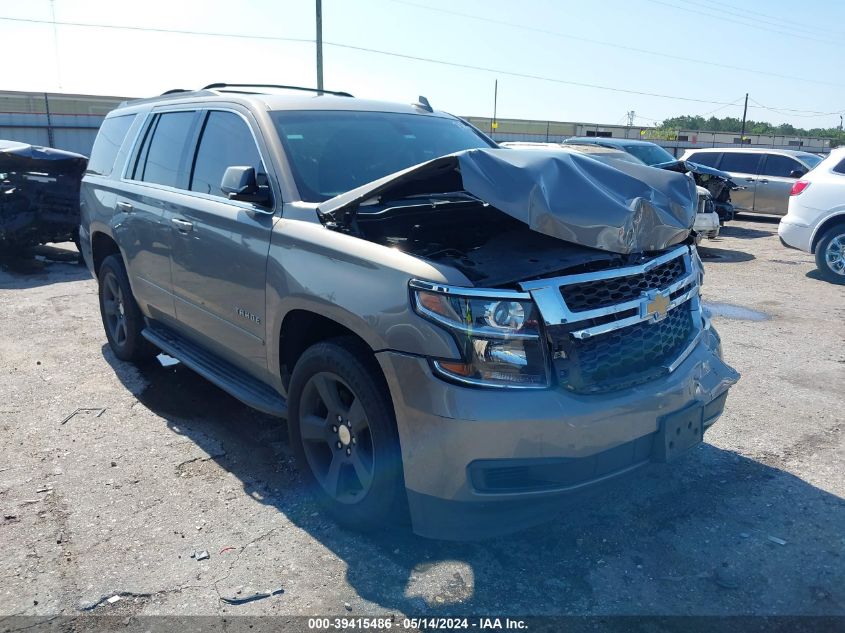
(553, 59)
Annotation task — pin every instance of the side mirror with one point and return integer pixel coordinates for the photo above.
(797, 173)
(239, 183)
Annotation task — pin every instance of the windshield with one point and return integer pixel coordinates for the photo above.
(810, 160)
(650, 154)
(331, 152)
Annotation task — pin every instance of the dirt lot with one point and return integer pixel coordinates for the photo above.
(158, 465)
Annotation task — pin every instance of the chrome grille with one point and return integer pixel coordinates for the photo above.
(589, 295)
(627, 356)
(604, 329)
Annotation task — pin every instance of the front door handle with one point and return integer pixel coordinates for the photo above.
(763, 181)
(183, 226)
(125, 207)
(749, 180)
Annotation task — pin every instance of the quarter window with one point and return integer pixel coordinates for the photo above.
(162, 156)
(226, 142)
(840, 168)
(109, 139)
(741, 162)
(778, 165)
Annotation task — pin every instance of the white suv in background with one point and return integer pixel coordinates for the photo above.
(815, 222)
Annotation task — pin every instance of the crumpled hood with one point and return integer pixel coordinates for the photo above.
(622, 208)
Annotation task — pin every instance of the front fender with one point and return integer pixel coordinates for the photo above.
(358, 284)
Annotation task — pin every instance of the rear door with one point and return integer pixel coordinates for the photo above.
(154, 176)
(775, 182)
(220, 246)
(743, 167)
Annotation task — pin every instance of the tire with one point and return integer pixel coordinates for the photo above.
(830, 254)
(122, 319)
(343, 433)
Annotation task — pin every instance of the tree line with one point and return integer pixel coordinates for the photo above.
(734, 125)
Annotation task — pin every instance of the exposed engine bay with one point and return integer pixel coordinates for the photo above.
(491, 248)
(502, 216)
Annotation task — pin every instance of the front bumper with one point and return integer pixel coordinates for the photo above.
(465, 449)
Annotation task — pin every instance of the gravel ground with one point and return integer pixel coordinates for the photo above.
(158, 466)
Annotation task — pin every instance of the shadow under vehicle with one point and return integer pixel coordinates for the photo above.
(39, 195)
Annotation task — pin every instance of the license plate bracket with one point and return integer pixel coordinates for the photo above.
(677, 433)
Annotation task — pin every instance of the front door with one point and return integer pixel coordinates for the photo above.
(775, 183)
(742, 166)
(220, 247)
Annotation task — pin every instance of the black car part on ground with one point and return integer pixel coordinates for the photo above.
(623, 208)
(39, 194)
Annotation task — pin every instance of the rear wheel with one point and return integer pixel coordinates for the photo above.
(122, 318)
(343, 432)
(830, 254)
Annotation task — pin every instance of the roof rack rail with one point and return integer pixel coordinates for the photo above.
(218, 86)
(174, 91)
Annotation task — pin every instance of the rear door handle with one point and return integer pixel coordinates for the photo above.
(183, 226)
(125, 207)
(763, 181)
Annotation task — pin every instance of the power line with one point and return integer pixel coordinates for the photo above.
(151, 29)
(419, 58)
(790, 112)
(748, 24)
(579, 38)
(778, 21)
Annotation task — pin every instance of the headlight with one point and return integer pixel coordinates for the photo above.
(499, 336)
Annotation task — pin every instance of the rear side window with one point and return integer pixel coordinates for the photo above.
(226, 142)
(709, 159)
(783, 166)
(744, 163)
(109, 139)
(162, 156)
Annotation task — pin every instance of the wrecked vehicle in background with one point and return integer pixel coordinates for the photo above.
(471, 334)
(39, 195)
(707, 220)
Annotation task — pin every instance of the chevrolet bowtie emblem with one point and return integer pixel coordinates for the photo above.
(655, 305)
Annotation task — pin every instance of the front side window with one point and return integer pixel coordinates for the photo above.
(740, 162)
(162, 155)
(226, 141)
(331, 152)
(109, 139)
(780, 166)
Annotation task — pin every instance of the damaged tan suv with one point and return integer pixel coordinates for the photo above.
(462, 333)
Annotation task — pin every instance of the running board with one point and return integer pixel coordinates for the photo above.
(229, 378)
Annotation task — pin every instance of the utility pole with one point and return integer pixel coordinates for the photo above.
(631, 116)
(320, 45)
(494, 124)
(744, 113)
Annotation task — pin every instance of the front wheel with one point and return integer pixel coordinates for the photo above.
(830, 254)
(343, 432)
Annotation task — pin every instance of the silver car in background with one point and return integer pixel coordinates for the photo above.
(767, 175)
